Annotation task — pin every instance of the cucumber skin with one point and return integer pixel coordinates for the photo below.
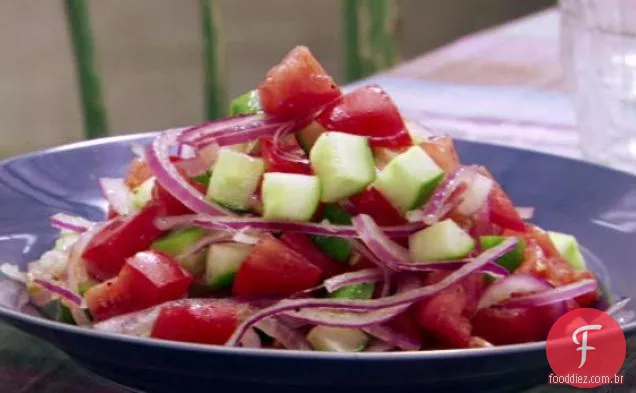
(512, 260)
(362, 291)
(246, 103)
(336, 248)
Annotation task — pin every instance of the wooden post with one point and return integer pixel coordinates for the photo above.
(371, 30)
(216, 102)
(95, 124)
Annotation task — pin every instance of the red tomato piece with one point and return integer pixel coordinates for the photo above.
(138, 172)
(368, 111)
(147, 279)
(172, 206)
(297, 86)
(206, 323)
(442, 151)
(303, 245)
(273, 269)
(406, 325)
(502, 326)
(373, 203)
(502, 210)
(276, 162)
(446, 315)
(122, 238)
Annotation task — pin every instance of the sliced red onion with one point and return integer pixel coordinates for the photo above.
(363, 312)
(554, 295)
(70, 223)
(203, 244)
(255, 130)
(517, 283)
(394, 337)
(118, 195)
(158, 159)
(476, 195)
(60, 291)
(13, 272)
(288, 337)
(525, 212)
(334, 283)
(379, 346)
(436, 206)
(490, 267)
(139, 323)
(378, 242)
(257, 223)
(363, 251)
(226, 124)
(251, 339)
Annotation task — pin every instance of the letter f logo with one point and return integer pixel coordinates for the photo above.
(584, 347)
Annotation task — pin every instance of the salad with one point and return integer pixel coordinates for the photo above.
(310, 219)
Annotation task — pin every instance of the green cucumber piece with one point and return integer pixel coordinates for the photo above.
(308, 136)
(362, 291)
(441, 241)
(335, 339)
(336, 248)
(511, 260)
(290, 196)
(143, 193)
(246, 104)
(568, 247)
(409, 179)
(223, 261)
(343, 163)
(203, 178)
(175, 243)
(84, 286)
(234, 179)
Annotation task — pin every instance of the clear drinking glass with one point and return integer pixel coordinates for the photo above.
(598, 39)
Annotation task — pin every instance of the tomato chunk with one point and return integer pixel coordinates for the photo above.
(502, 326)
(205, 323)
(297, 86)
(446, 316)
(147, 279)
(107, 251)
(303, 245)
(138, 172)
(368, 111)
(273, 269)
(502, 210)
(442, 151)
(172, 206)
(276, 162)
(371, 202)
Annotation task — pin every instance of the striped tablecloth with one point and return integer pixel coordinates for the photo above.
(503, 85)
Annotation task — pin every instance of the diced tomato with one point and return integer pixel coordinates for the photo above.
(543, 240)
(205, 323)
(303, 245)
(107, 251)
(371, 202)
(138, 173)
(405, 324)
(297, 86)
(442, 151)
(502, 210)
(368, 111)
(273, 269)
(275, 162)
(446, 316)
(502, 326)
(147, 279)
(171, 205)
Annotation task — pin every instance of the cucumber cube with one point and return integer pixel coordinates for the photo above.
(343, 163)
(246, 104)
(234, 179)
(289, 196)
(363, 290)
(336, 248)
(511, 260)
(179, 241)
(223, 261)
(336, 339)
(409, 179)
(143, 193)
(441, 241)
(307, 136)
(569, 249)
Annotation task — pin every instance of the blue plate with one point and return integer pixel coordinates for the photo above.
(596, 204)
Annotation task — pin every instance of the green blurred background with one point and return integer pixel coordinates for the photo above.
(149, 55)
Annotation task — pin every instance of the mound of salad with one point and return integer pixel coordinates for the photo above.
(311, 219)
